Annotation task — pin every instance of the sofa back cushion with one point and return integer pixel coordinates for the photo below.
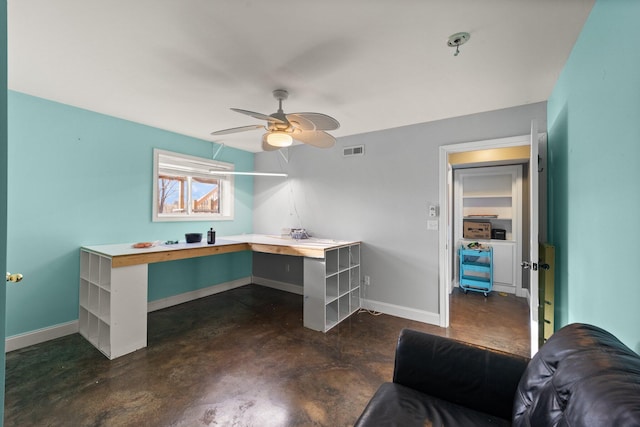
(582, 376)
(465, 374)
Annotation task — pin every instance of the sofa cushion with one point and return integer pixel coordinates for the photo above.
(473, 376)
(582, 376)
(397, 405)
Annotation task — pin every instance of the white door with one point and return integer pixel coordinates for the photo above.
(532, 264)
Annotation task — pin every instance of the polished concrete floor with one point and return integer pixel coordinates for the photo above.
(239, 358)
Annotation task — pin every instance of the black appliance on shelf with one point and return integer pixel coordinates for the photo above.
(498, 234)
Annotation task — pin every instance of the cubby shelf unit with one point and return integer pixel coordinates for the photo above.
(332, 287)
(110, 316)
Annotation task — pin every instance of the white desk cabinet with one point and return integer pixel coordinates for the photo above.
(331, 287)
(113, 305)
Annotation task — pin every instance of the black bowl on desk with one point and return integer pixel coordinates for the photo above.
(193, 237)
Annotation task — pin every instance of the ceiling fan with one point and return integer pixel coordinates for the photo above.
(282, 129)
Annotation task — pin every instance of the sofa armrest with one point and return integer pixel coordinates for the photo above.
(473, 376)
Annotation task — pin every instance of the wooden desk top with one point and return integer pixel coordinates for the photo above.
(125, 254)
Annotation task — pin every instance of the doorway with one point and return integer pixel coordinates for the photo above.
(487, 149)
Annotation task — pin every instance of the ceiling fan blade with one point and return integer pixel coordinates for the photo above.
(266, 146)
(258, 116)
(238, 129)
(317, 138)
(314, 121)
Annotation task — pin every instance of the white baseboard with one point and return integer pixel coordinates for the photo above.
(275, 284)
(41, 335)
(198, 293)
(16, 342)
(508, 289)
(403, 312)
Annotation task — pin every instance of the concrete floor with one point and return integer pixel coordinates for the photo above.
(239, 358)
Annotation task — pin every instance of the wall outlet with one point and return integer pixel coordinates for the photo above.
(367, 280)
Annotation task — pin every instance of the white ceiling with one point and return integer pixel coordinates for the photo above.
(372, 64)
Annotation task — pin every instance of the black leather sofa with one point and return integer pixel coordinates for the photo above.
(582, 376)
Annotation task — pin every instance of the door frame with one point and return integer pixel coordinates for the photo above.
(4, 147)
(445, 226)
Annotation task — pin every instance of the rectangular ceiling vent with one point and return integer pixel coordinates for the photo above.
(356, 150)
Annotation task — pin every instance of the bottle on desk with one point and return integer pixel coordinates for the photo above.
(211, 237)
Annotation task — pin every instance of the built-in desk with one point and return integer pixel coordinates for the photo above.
(114, 283)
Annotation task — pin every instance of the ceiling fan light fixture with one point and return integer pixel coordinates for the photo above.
(279, 139)
(308, 128)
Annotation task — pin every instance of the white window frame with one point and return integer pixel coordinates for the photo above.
(191, 166)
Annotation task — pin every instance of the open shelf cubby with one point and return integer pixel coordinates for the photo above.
(332, 287)
(331, 261)
(343, 282)
(344, 258)
(109, 304)
(355, 255)
(355, 277)
(344, 307)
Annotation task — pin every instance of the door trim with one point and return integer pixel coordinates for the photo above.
(445, 243)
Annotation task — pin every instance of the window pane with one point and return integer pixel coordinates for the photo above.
(205, 193)
(171, 194)
(189, 188)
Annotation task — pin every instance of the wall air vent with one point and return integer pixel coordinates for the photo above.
(356, 150)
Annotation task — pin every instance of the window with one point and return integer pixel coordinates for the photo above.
(187, 188)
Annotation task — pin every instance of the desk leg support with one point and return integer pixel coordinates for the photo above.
(128, 309)
(314, 294)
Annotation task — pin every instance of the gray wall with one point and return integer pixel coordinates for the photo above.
(380, 198)
(281, 268)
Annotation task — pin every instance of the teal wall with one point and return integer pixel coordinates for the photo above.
(594, 158)
(81, 178)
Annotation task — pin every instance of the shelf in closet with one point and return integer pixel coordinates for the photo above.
(487, 196)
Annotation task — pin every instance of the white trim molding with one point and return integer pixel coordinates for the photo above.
(197, 294)
(38, 336)
(46, 334)
(403, 312)
(275, 284)
(58, 331)
(445, 244)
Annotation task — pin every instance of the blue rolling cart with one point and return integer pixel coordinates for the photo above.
(476, 269)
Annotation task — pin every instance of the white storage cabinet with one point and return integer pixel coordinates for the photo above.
(331, 287)
(113, 305)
